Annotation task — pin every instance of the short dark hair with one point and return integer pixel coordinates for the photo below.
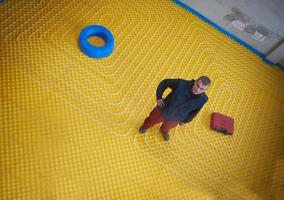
(205, 80)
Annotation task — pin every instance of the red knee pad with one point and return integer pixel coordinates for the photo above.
(222, 123)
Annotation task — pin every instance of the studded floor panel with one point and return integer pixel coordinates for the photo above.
(69, 123)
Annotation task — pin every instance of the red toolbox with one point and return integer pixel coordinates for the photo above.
(222, 123)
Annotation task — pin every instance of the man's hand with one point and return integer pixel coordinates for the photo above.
(160, 103)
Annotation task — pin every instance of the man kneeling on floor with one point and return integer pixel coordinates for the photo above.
(180, 106)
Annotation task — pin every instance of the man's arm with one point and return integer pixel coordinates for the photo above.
(191, 116)
(195, 112)
(171, 83)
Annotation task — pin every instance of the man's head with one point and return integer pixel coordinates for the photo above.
(200, 85)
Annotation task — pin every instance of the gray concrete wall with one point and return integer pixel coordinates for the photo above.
(281, 62)
(259, 23)
(276, 55)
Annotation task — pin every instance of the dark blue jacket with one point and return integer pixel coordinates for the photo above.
(181, 105)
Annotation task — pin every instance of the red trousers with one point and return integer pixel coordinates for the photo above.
(156, 117)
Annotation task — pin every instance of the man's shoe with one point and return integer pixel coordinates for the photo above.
(142, 130)
(166, 136)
